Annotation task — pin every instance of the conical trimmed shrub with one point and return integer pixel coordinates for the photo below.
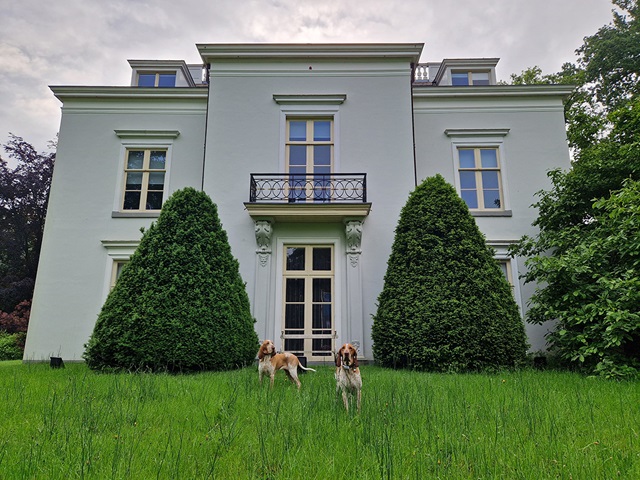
(180, 304)
(445, 305)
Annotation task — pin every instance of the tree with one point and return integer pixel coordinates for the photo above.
(180, 301)
(24, 193)
(603, 125)
(445, 305)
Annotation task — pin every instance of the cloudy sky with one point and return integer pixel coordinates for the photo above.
(88, 42)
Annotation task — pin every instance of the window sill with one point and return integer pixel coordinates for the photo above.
(488, 213)
(149, 214)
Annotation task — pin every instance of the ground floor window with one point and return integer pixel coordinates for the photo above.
(308, 286)
(116, 271)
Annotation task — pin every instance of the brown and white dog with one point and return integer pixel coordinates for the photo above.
(348, 377)
(269, 362)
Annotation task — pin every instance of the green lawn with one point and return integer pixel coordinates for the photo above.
(73, 423)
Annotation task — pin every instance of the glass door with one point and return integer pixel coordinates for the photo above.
(308, 324)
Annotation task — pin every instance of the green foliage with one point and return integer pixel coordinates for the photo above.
(10, 345)
(585, 274)
(180, 303)
(596, 294)
(445, 305)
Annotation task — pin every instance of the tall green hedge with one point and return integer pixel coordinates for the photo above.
(180, 303)
(445, 305)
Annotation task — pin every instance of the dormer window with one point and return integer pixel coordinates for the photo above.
(165, 79)
(469, 78)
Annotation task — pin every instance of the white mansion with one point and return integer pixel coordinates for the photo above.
(310, 151)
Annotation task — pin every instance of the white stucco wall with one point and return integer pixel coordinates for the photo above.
(373, 135)
(75, 267)
(531, 135)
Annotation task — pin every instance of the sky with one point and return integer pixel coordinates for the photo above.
(88, 42)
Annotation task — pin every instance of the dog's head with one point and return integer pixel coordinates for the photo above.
(267, 348)
(347, 357)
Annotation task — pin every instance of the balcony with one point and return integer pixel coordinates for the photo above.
(308, 197)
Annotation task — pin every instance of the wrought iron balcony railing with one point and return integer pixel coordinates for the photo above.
(308, 188)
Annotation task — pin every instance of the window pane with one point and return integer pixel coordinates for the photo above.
(147, 80)
(134, 181)
(467, 159)
(470, 198)
(298, 131)
(491, 199)
(460, 78)
(294, 290)
(321, 347)
(480, 78)
(321, 316)
(297, 155)
(295, 258)
(154, 201)
(167, 80)
(131, 201)
(156, 181)
(157, 160)
(490, 180)
(322, 131)
(489, 158)
(322, 154)
(322, 259)
(294, 316)
(295, 345)
(322, 170)
(321, 289)
(135, 160)
(468, 180)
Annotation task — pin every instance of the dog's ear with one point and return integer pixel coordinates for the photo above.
(261, 352)
(339, 358)
(354, 358)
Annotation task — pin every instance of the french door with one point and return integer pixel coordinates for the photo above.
(309, 157)
(308, 313)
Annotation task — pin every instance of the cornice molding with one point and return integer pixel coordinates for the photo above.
(309, 99)
(147, 133)
(63, 93)
(243, 51)
(428, 91)
(476, 132)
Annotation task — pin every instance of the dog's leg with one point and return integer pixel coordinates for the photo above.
(345, 400)
(359, 396)
(292, 373)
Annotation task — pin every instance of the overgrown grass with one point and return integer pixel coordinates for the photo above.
(73, 423)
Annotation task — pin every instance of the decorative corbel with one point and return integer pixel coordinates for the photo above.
(263, 239)
(353, 233)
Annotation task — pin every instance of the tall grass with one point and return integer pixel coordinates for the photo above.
(73, 423)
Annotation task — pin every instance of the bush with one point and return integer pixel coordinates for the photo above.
(179, 304)
(445, 305)
(18, 320)
(11, 346)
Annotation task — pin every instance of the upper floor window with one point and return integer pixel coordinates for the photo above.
(157, 79)
(480, 181)
(469, 78)
(145, 171)
(309, 158)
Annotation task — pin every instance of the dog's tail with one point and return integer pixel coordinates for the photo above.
(305, 368)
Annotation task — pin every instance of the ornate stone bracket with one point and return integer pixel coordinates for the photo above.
(353, 233)
(263, 239)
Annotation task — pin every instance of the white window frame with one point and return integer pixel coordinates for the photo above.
(274, 330)
(118, 251)
(142, 140)
(146, 171)
(157, 74)
(482, 138)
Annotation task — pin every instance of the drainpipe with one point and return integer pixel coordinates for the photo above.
(413, 126)
(206, 125)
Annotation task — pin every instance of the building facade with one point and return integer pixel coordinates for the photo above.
(310, 152)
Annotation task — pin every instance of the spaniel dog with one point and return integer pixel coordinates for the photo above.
(269, 362)
(348, 374)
